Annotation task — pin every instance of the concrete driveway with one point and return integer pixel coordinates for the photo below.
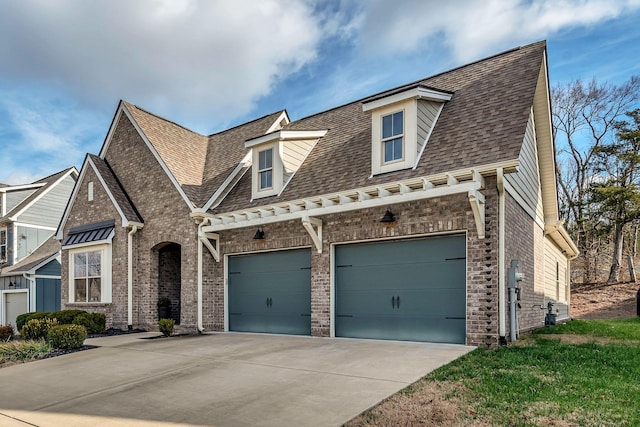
(227, 379)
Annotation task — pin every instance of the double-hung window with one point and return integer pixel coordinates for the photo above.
(87, 275)
(265, 169)
(392, 137)
(3, 245)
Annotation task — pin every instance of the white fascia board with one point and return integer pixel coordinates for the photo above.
(274, 127)
(103, 151)
(15, 216)
(414, 93)
(227, 182)
(106, 188)
(286, 135)
(462, 188)
(22, 187)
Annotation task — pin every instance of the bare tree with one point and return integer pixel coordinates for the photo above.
(584, 118)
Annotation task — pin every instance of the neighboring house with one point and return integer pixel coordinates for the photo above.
(392, 217)
(29, 257)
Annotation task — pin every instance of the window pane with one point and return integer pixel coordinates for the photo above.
(80, 265)
(397, 148)
(387, 127)
(94, 290)
(397, 123)
(261, 160)
(268, 158)
(80, 290)
(94, 263)
(265, 179)
(388, 151)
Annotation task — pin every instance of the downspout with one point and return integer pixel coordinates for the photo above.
(133, 231)
(502, 312)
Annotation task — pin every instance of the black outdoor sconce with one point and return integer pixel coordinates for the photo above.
(388, 217)
(259, 234)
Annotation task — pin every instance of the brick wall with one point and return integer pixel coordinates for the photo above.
(427, 217)
(166, 220)
(524, 240)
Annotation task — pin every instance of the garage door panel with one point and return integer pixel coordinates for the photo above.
(404, 290)
(271, 292)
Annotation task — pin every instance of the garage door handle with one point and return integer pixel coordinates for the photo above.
(398, 301)
(393, 302)
(269, 302)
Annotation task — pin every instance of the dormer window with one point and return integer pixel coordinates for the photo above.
(393, 136)
(275, 158)
(401, 123)
(265, 169)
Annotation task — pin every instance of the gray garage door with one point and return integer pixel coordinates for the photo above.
(412, 290)
(271, 292)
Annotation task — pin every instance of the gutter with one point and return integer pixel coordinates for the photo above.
(502, 307)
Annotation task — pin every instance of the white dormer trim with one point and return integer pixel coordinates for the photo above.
(419, 92)
(22, 187)
(278, 142)
(281, 121)
(285, 135)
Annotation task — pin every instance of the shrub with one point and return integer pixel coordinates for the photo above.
(37, 329)
(23, 318)
(166, 326)
(95, 323)
(23, 350)
(65, 317)
(6, 333)
(67, 336)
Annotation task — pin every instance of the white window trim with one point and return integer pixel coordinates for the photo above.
(277, 176)
(260, 171)
(409, 137)
(383, 140)
(105, 277)
(6, 245)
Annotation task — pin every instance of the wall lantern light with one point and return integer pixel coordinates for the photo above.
(388, 217)
(259, 234)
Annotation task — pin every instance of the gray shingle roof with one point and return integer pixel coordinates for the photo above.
(48, 249)
(122, 199)
(48, 181)
(483, 123)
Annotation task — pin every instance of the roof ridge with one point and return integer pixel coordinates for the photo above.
(247, 123)
(50, 176)
(423, 79)
(165, 119)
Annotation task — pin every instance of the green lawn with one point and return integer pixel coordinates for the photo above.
(540, 381)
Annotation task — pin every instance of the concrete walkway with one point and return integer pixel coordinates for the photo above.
(215, 379)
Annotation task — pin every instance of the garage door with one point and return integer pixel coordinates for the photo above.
(412, 290)
(271, 292)
(15, 303)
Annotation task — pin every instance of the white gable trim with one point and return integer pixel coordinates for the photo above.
(22, 187)
(122, 108)
(419, 92)
(285, 135)
(276, 124)
(15, 216)
(76, 188)
(244, 163)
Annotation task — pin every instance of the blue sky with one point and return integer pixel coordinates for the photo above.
(209, 65)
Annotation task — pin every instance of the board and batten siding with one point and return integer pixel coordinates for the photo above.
(428, 112)
(526, 182)
(293, 154)
(48, 210)
(14, 198)
(556, 280)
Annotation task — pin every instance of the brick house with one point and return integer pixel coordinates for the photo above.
(393, 217)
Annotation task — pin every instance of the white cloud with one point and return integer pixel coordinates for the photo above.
(195, 58)
(471, 29)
